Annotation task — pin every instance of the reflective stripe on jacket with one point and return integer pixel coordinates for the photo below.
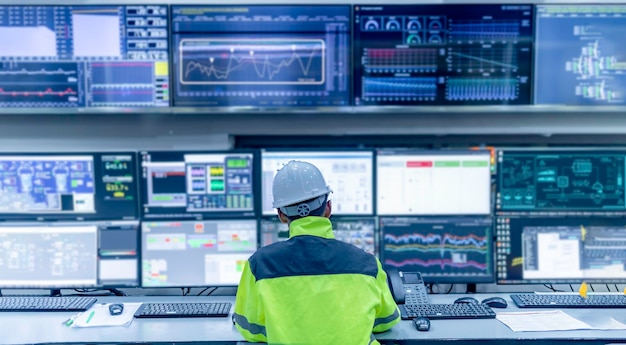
(313, 289)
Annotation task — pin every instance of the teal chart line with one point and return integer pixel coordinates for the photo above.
(485, 60)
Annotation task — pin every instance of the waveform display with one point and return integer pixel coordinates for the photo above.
(481, 89)
(37, 84)
(438, 247)
(483, 59)
(478, 54)
(400, 60)
(110, 74)
(249, 61)
(484, 30)
(412, 88)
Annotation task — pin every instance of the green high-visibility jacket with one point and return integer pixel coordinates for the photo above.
(313, 289)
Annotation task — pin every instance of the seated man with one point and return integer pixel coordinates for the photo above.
(311, 289)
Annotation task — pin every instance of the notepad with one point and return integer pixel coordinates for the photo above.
(98, 316)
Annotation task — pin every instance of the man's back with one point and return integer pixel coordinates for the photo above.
(313, 289)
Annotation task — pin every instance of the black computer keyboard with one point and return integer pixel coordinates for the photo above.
(447, 311)
(46, 303)
(200, 309)
(532, 300)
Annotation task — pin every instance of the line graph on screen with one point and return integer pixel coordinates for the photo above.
(251, 62)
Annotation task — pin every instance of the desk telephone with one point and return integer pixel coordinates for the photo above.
(407, 287)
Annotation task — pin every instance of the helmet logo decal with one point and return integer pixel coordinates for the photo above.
(303, 210)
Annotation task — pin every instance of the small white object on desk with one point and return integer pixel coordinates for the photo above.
(99, 315)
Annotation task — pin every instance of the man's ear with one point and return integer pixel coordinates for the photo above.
(283, 218)
(328, 210)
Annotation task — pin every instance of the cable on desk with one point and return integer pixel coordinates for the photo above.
(185, 291)
(570, 286)
(213, 288)
(591, 286)
(549, 286)
(616, 288)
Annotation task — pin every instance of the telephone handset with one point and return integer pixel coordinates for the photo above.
(407, 287)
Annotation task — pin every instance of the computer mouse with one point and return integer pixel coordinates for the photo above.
(495, 302)
(466, 300)
(116, 309)
(422, 323)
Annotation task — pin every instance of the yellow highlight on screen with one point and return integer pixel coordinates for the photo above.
(161, 68)
(517, 261)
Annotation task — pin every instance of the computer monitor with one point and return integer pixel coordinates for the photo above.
(68, 186)
(560, 181)
(68, 56)
(55, 255)
(579, 58)
(443, 249)
(424, 182)
(196, 253)
(562, 250)
(349, 173)
(179, 185)
(261, 56)
(448, 54)
(362, 232)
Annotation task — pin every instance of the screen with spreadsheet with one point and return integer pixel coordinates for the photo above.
(69, 254)
(560, 181)
(178, 185)
(448, 54)
(580, 57)
(359, 231)
(422, 182)
(68, 186)
(546, 250)
(196, 253)
(66, 56)
(443, 249)
(265, 55)
(348, 173)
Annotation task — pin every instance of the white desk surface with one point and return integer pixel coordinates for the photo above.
(47, 327)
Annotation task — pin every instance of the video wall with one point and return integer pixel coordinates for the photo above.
(87, 56)
(185, 219)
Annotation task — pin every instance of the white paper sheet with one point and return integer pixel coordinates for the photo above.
(552, 320)
(98, 315)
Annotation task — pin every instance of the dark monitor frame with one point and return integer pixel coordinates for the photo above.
(182, 214)
(447, 278)
(43, 3)
(141, 239)
(99, 283)
(172, 49)
(430, 152)
(510, 257)
(99, 188)
(321, 150)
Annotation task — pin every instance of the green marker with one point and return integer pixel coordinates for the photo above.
(90, 316)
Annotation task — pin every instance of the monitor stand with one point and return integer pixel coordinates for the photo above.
(471, 288)
(116, 292)
(55, 292)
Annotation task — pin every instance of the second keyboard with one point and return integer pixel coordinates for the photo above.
(447, 311)
(532, 300)
(174, 310)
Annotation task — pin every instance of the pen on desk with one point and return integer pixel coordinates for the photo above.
(90, 316)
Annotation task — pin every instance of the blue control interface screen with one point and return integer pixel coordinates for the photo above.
(530, 181)
(581, 57)
(442, 54)
(84, 56)
(268, 56)
(68, 186)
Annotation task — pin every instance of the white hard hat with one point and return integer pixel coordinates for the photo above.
(296, 182)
